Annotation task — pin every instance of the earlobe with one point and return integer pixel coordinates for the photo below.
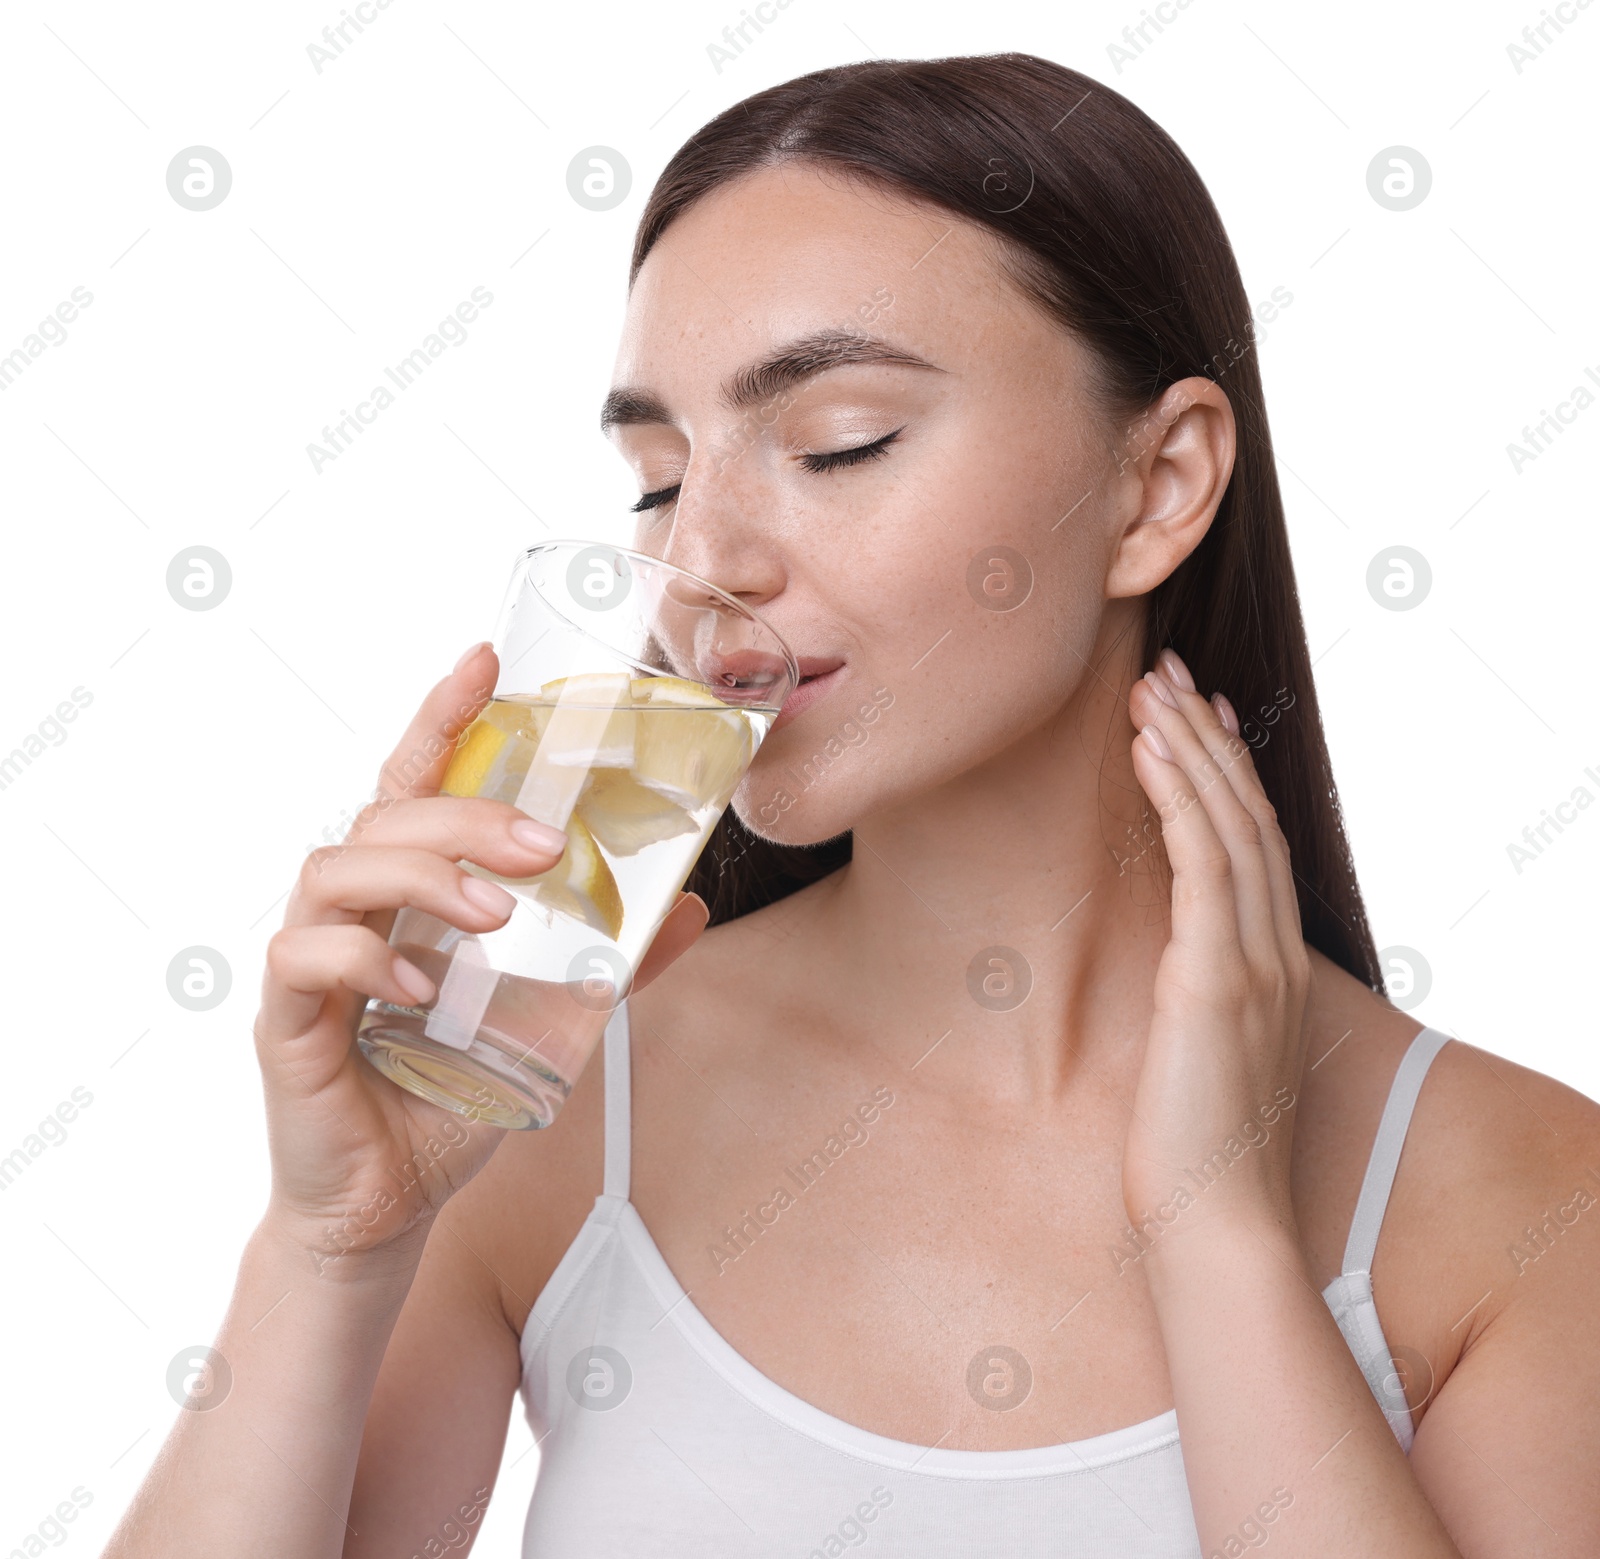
(1181, 456)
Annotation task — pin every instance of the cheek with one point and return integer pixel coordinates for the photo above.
(957, 682)
(970, 592)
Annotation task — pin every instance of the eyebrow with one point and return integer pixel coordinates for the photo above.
(763, 381)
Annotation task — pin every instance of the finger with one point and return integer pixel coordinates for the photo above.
(1157, 704)
(490, 833)
(305, 963)
(1236, 760)
(420, 757)
(339, 885)
(679, 932)
(1204, 912)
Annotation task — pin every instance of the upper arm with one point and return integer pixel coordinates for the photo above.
(1506, 1451)
(436, 1428)
(437, 1424)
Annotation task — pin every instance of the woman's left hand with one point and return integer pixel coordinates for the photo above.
(1212, 1115)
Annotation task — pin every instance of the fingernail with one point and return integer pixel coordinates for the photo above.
(486, 895)
(538, 836)
(1225, 712)
(467, 656)
(1158, 741)
(1162, 691)
(1176, 669)
(413, 981)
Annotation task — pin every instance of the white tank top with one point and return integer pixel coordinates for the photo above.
(658, 1438)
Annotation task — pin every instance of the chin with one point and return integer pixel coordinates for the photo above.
(780, 810)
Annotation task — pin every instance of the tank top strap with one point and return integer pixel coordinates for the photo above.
(1384, 1160)
(619, 1102)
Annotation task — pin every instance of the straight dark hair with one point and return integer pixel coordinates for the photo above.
(1107, 225)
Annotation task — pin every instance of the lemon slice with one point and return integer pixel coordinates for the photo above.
(672, 690)
(474, 756)
(493, 753)
(593, 720)
(690, 747)
(625, 816)
(579, 885)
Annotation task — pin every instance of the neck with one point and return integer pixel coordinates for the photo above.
(1012, 918)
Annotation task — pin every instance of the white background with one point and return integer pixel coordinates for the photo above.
(430, 158)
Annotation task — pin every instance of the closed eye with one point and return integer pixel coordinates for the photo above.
(654, 500)
(818, 462)
(835, 459)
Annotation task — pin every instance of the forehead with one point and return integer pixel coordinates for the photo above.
(793, 248)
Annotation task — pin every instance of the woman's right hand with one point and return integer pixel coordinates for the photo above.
(358, 1162)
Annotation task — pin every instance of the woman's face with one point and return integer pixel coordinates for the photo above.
(956, 574)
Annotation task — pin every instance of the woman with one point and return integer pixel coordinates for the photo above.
(1003, 1167)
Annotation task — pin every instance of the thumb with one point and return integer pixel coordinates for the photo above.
(677, 934)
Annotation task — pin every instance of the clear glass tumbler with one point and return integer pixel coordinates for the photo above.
(632, 698)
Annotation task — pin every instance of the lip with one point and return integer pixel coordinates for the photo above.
(819, 676)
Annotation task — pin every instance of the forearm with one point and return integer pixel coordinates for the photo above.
(1274, 1411)
(268, 1470)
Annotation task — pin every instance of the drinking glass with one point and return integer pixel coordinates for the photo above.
(632, 698)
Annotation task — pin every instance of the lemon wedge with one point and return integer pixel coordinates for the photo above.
(625, 816)
(690, 748)
(579, 885)
(593, 719)
(473, 758)
(493, 753)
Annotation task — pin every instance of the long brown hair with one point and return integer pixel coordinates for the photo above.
(1107, 225)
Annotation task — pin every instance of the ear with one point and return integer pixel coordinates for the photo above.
(1175, 463)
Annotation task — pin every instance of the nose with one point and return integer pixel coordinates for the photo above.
(720, 532)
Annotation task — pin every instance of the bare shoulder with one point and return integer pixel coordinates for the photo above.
(1500, 1170)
